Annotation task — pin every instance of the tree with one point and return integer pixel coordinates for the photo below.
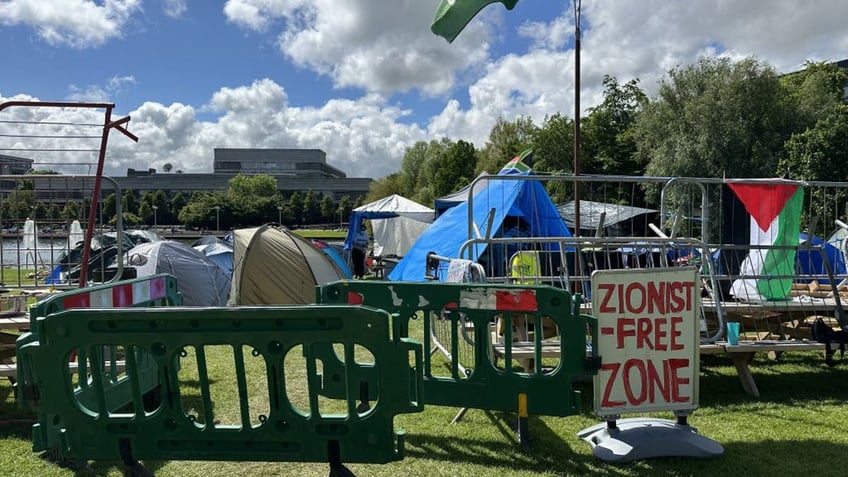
(553, 145)
(506, 140)
(821, 154)
(311, 208)
(296, 208)
(713, 119)
(608, 145)
(818, 91)
(391, 184)
(345, 207)
(109, 207)
(328, 210)
(251, 199)
(411, 179)
(178, 201)
(453, 169)
(128, 203)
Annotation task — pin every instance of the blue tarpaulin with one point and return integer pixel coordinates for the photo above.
(525, 199)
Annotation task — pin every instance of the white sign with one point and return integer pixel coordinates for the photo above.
(648, 339)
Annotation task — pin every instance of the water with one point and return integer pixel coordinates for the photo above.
(31, 250)
(15, 251)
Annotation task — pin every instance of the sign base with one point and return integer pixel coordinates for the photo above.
(626, 440)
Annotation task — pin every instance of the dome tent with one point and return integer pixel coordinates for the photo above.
(274, 266)
(201, 282)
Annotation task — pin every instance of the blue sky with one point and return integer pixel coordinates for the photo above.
(361, 79)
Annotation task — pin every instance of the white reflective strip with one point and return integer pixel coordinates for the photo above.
(101, 298)
(141, 291)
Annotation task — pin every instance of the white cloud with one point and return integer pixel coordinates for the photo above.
(378, 46)
(382, 47)
(73, 23)
(174, 8)
(101, 93)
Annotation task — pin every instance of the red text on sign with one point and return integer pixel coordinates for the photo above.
(659, 334)
(646, 298)
(643, 382)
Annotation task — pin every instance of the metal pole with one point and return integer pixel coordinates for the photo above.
(577, 116)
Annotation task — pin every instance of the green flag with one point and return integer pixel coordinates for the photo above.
(452, 15)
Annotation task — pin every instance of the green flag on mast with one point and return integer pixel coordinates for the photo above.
(452, 15)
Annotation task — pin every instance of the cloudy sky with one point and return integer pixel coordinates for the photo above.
(361, 79)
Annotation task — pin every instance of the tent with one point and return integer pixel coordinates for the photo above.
(200, 281)
(809, 261)
(216, 250)
(618, 220)
(446, 202)
(496, 205)
(395, 221)
(274, 266)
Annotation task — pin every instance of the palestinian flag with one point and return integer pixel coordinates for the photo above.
(519, 164)
(452, 15)
(775, 210)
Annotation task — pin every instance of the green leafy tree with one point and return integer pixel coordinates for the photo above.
(250, 199)
(384, 187)
(163, 213)
(128, 203)
(715, 118)
(178, 201)
(411, 178)
(145, 213)
(821, 154)
(296, 208)
(311, 208)
(454, 168)
(328, 210)
(818, 91)
(608, 144)
(506, 140)
(109, 207)
(345, 207)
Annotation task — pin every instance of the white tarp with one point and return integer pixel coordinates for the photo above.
(396, 223)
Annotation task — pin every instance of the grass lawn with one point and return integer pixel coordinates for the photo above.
(322, 234)
(798, 427)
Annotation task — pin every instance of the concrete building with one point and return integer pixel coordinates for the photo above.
(295, 170)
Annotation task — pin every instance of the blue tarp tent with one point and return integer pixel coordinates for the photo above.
(524, 199)
(809, 261)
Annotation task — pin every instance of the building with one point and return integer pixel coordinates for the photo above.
(13, 165)
(295, 170)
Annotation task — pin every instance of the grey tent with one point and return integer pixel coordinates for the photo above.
(200, 280)
(618, 220)
(274, 266)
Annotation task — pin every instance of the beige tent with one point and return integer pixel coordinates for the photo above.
(274, 266)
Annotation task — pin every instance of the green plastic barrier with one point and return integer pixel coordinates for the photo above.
(282, 421)
(474, 308)
(152, 291)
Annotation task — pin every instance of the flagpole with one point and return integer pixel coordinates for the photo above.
(576, 117)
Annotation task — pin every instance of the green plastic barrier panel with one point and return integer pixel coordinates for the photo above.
(238, 384)
(475, 326)
(152, 291)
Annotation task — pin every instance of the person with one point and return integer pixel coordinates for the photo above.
(360, 248)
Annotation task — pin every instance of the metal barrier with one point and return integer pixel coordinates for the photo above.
(473, 310)
(274, 423)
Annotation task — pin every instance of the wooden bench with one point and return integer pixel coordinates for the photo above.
(742, 354)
